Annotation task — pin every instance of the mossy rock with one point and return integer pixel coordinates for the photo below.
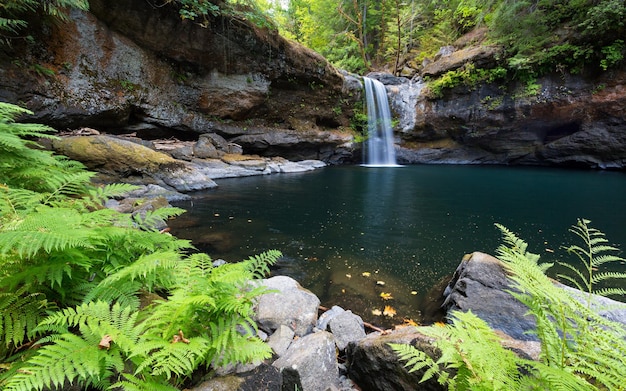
(114, 155)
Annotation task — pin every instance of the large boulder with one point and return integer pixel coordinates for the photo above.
(373, 365)
(132, 162)
(310, 363)
(481, 285)
(480, 56)
(287, 304)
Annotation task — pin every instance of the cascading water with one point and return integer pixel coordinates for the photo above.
(379, 149)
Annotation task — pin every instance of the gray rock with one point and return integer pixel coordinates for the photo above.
(291, 305)
(327, 316)
(480, 284)
(205, 149)
(373, 365)
(346, 328)
(264, 377)
(310, 364)
(280, 340)
(185, 178)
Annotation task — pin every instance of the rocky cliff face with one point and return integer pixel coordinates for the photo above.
(126, 67)
(575, 121)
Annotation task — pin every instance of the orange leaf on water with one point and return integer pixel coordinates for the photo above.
(389, 311)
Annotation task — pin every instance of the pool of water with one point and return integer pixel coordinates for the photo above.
(370, 238)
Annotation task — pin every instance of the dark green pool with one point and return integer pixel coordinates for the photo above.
(352, 233)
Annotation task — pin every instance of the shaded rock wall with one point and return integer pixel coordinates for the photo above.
(563, 120)
(126, 67)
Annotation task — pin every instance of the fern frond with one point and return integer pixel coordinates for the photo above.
(165, 358)
(149, 220)
(259, 264)
(101, 194)
(70, 358)
(49, 229)
(20, 312)
(150, 269)
(134, 383)
(126, 293)
(416, 360)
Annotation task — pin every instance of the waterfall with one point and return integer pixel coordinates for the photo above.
(378, 150)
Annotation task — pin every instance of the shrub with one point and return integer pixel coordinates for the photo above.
(73, 273)
(580, 350)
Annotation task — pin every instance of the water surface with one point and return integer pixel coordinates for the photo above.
(352, 233)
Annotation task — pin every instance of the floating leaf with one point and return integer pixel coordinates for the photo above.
(410, 322)
(380, 282)
(349, 275)
(389, 311)
(386, 296)
(377, 312)
(366, 274)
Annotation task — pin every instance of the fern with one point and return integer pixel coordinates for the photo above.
(20, 313)
(60, 249)
(592, 254)
(580, 350)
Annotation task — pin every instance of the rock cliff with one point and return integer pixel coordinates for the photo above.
(129, 67)
(560, 119)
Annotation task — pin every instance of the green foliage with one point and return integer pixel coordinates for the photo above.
(73, 274)
(201, 11)
(468, 76)
(580, 350)
(12, 13)
(593, 254)
(613, 54)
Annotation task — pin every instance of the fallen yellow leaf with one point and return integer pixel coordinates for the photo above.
(389, 311)
(366, 274)
(410, 322)
(386, 296)
(377, 312)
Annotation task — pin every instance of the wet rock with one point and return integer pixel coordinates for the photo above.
(280, 340)
(310, 363)
(374, 366)
(347, 328)
(263, 377)
(480, 284)
(291, 305)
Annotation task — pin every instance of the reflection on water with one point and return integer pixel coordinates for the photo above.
(356, 236)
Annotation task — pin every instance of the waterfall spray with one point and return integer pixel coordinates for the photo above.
(379, 150)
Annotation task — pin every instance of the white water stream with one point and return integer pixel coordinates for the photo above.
(379, 150)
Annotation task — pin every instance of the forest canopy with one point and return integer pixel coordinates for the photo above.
(537, 36)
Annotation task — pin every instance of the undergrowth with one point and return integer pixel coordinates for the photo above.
(580, 350)
(75, 276)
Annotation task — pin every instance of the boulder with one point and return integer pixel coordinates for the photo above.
(480, 284)
(290, 305)
(310, 363)
(280, 340)
(131, 162)
(347, 328)
(263, 377)
(450, 59)
(373, 365)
